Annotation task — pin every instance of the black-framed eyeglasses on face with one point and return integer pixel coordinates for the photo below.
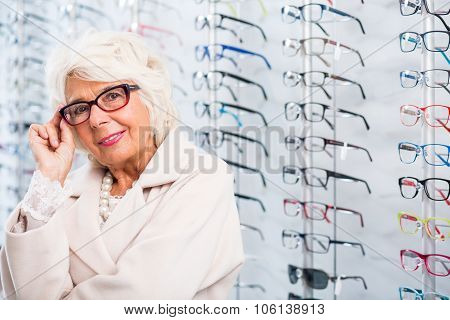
(314, 242)
(111, 99)
(316, 79)
(436, 189)
(316, 278)
(316, 112)
(316, 177)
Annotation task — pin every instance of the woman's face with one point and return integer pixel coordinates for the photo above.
(131, 123)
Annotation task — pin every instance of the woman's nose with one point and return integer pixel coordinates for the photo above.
(98, 117)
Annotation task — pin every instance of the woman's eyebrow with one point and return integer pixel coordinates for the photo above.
(99, 92)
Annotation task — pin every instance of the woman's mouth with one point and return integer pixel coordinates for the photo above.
(111, 139)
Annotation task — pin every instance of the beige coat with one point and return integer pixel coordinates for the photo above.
(175, 235)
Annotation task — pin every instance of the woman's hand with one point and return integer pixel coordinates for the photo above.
(53, 147)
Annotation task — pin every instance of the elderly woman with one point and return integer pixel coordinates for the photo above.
(148, 217)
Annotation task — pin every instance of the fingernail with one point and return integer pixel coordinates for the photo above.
(55, 142)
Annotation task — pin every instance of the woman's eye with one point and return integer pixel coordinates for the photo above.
(81, 109)
(112, 96)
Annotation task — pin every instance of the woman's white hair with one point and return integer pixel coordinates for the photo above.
(109, 56)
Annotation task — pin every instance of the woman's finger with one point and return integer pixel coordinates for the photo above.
(43, 132)
(56, 117)
(66, 133)
(37, 130)
(39, 140)
(53, 135)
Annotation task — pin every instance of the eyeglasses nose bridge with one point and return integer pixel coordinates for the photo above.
(91, 105)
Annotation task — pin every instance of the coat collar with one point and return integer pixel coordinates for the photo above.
(100, 249)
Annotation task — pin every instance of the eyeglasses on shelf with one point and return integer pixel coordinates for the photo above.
(418, 294)
(316, 112)
(434, 41)
(408, 7)
(317, 177)
(318, 144)
(313, 242)
(217, 51)
(436, 189)
(249, 198)
(436, 264)
(316, 46)
(316, 278)
(247, 168)
(433, 78)
(434, 154)
(436, 228)
(217, 21)
(317, 79)
(316, 210)
(216, 109)
(246, 227)
(215, 80)
(314, 13)
(434, 115)
(215, 138)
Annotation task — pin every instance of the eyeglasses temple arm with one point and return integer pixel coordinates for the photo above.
(242, 196)
(248, 52)
(238, 165)
(247, 23)
(350, 81)
(239, 136)
(342, 144)
(325, 91)
(247, 110)
(233, 32)
(356, 115)
(231, 92)
(342, 13)
(442, 20)
(348, 243)
(322, 28)
(249, 227)
(343, 277)
(344, 210)
(346, 177)
(246, 81)
(443, 125)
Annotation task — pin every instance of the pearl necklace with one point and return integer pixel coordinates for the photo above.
(105, 195)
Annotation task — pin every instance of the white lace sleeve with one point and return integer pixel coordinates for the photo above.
(41, 201)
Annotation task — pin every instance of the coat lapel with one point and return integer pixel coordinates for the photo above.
(101, 249)
(82, 226)
(133, 212)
